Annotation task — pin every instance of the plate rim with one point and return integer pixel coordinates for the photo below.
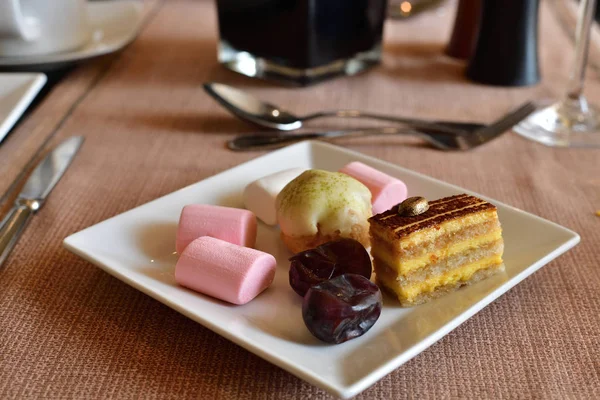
(81, 54)
(361, 384)
(35, 82)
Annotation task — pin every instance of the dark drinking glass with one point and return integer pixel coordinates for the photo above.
(300, 41)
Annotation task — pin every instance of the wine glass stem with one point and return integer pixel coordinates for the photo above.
(582, 42)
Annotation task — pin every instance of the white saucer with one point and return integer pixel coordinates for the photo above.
(114, 24)
(17, 91)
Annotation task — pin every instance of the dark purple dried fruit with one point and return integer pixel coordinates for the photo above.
(331, 259)
(341, 308)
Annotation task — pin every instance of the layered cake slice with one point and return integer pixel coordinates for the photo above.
(456, 241)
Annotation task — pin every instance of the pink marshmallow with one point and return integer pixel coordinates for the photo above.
(233, 225)
(223, 270)
(386, 191)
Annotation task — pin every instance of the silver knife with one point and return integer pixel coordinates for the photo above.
(37, 188)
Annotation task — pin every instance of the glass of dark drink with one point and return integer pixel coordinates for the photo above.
(300, 41)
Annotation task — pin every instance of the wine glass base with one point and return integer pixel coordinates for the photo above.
(568, 123)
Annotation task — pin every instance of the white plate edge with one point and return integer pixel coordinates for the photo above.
(37, 82)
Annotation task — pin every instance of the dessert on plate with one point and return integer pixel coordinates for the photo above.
(233, 225)
(386, 191)
(320, 206)
(215, 255)
(453, 242)
(224, 270)
(260, 195)
(339, 303)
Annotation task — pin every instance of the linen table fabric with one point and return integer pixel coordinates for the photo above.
(69, 330)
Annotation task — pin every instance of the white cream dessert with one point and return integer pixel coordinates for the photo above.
(319, 206)
(260, 195)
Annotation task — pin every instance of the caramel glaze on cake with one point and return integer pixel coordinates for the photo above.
(456, 242)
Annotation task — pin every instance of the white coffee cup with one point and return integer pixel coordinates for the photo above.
(33, 27)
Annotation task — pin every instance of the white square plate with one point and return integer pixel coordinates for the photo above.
(17, 91)
(137, 247)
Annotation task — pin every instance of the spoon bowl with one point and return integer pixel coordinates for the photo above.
(250, 108)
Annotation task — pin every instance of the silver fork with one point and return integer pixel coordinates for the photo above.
(439, 140)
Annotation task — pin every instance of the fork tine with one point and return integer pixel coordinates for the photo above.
(506, 122)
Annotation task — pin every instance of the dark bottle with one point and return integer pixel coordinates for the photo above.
(506, 53)
(466, 27)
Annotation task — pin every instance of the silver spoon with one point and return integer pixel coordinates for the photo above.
(249, 108)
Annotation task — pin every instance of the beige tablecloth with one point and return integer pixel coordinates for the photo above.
(69, 330)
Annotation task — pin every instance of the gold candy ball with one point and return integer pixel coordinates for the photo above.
(413, 206)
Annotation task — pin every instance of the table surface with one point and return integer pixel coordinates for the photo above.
(69, 330)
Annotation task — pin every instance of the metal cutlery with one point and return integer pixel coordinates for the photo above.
(252, 109)
(441, 141)
(38, 186)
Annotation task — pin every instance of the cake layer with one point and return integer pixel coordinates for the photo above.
(405, 265)
(440, 241)
(439, 211)
(443, 229)
(445, 289)
(441, 266)
(444, 216)
(454, 278)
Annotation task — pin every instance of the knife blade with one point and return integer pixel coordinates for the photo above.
(38, 186)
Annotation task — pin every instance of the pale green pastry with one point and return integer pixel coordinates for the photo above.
(324, 202)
